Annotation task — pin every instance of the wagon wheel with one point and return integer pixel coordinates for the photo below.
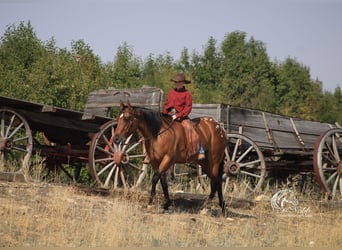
(15, 142)
(113, 166)
(244, 168)
(327, 161)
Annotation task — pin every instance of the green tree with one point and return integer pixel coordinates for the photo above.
(126, 69)
(249, 77)
(294, 85)
(20, 49)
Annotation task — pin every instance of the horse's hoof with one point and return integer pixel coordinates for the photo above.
(166, 211)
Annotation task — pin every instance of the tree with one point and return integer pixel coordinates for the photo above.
(126, 69)
(249, 76)
(294, 84)
(20, 49)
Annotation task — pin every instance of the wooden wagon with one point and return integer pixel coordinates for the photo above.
(264, 144)
(66, 137)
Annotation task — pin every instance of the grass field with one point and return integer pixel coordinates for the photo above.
(39, 214)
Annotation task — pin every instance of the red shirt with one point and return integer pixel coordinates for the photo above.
(180, 100)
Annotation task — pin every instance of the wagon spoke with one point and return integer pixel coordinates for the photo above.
(103, 160)
(16, 130)
(244, 154)
(105, 168)
(335, 185)
(137, 156)
(251, 174)
(116, 178)
(2, 160)
(250, 164)
(134, 166)
(108, 145)
(227, 154)
(109, 176)
(2, 124)
(331, 178)
(133, 146)
(335, 149)
(238, 141)
(20, 149)
(126, 142)
(10, 125)
(103, 150)
(123, 179)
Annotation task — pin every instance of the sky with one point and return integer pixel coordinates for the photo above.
(308, 30)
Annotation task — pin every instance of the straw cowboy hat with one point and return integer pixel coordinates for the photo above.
(180, 78)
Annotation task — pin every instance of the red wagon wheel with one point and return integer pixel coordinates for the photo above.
(327, 161)
(15, 142)
(244, 167)
(113, 166)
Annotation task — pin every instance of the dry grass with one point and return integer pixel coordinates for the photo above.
(49, 215)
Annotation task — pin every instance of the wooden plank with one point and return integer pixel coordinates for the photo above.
(100, 102)
(259, 125)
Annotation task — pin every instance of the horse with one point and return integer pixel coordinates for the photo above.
(166, 145)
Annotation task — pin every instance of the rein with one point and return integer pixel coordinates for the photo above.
(159, 133)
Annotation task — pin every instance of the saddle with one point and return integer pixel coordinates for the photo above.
(192, 137)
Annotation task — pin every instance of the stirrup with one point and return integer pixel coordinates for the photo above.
(201, 156)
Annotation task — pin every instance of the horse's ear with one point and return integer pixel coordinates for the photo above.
(122, 105)
(129, 104)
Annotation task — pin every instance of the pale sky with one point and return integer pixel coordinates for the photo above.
(308, 30)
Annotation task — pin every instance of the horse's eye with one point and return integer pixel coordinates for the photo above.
(125, 118)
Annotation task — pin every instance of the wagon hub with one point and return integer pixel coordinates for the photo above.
(339, 169)
(232, 167)
(5, 143)
(120, 157)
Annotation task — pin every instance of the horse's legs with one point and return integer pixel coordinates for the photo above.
(163, 182)
(220, 195)
(155, 180)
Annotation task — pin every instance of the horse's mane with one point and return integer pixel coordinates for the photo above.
(153, 118)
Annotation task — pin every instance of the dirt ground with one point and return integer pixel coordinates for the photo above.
(40, 214)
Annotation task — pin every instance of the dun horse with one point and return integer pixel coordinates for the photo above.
(166, 145)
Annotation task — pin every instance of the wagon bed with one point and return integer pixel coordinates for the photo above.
(264, 144)
(271, 132)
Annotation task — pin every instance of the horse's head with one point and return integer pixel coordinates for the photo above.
(127, 123)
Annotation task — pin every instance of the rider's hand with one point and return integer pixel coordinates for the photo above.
(174, 117)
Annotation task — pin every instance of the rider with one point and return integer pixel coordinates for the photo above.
(178, 104)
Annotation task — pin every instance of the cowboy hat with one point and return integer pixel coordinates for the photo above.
(180, 78)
